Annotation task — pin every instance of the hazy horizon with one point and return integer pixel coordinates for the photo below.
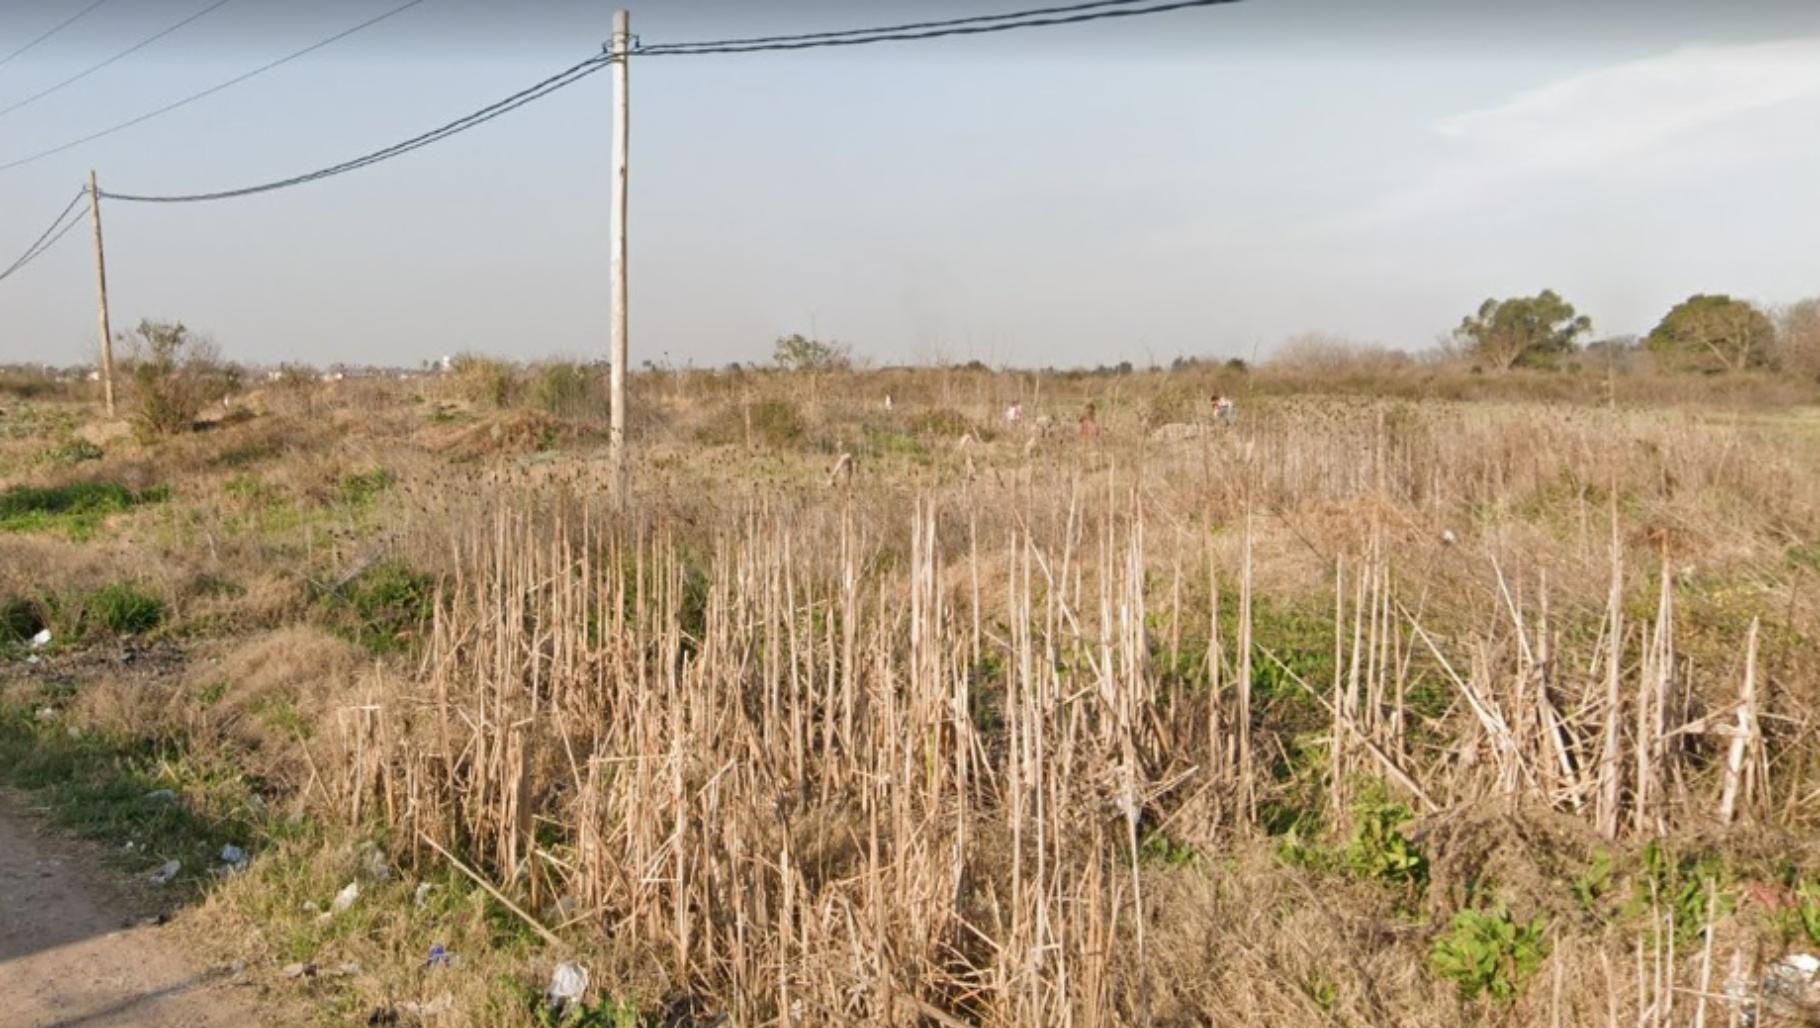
(1205, 182)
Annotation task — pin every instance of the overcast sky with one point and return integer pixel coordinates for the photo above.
(1203, 182)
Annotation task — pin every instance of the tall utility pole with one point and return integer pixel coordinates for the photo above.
(107, 335)
(622, 135)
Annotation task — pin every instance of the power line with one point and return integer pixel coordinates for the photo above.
(911, 26)
(1032, 18)
(562, 79)
(49, 237)
(128, 52)
(59, 27)
(212, 90)
(977, 25)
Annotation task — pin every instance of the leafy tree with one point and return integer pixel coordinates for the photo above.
(1523, 331)
(1712, 334)
(798, 352)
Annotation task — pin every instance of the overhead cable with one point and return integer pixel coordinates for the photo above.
(567, 77)
(212, 90)
(122, 55)
(1035, 18)
(49, 237)
(53, 30)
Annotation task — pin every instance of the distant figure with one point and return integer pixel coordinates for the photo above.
(1223, 410)
(887, 401)
(1014, 415)
(1090, 423)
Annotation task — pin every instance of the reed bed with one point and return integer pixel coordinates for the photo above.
(1013, 738)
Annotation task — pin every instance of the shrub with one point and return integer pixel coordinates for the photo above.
(174, 377)
(800, 353)
(1488, 953)
(1173, 402)
(122, 609)
(566, 391)
(484, 380)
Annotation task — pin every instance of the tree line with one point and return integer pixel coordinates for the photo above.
(1705, 333)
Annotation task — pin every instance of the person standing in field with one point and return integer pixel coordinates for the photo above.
(1223, 411)
(1014, 416)
(1090, 422)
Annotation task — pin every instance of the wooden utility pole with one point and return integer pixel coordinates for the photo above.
(107, 335)
(622, 114)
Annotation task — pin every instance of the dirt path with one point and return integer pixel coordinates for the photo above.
(67, 961)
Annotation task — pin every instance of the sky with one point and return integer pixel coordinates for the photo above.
(1205, 182)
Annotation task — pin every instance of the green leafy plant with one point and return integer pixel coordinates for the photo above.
(1489, 953)
(1680, 883)
(1158, 848)
(1379, 850)
(1807, 909)
(1592, 885)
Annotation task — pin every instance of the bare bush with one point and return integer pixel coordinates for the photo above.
(175, 376)
(1798, 338)
(1321, 354)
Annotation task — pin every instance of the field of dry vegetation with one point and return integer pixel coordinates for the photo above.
(1412, 697)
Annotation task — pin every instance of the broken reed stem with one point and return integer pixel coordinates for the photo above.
(547, 935)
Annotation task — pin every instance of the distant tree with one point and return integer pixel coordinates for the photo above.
(1523, 331)
(1798, 338)
(798, 352)
(1713, 334)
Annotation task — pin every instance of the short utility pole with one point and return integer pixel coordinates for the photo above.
(622, 134)
(107, 335)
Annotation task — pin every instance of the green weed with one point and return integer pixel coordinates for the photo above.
(1679, 883)
(123, 609)
(1489, 953)
(383, 607)
(1379, 851)
(75, 510)
(72, 452)
(113, 789)
(362, 488)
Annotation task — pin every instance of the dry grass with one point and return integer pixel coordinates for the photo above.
(1012, 728)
